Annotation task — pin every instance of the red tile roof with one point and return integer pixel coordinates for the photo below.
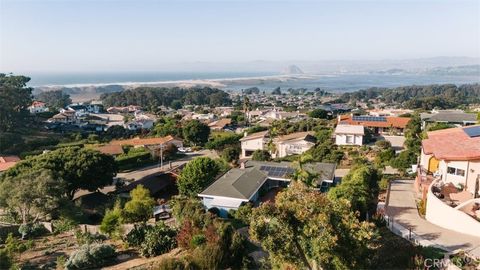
(392, 121)
(6, 162)
(452, 144)
(111, 149)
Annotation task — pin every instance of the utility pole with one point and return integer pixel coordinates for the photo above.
(161, 156)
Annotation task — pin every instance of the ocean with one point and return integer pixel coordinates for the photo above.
(331, 82)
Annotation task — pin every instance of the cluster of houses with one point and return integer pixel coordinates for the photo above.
(91, 117)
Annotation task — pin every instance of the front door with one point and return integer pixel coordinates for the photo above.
(433, 164)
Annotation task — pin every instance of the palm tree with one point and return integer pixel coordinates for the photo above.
(246, 107)
(301, 173)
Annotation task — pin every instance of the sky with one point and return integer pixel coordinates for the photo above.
(86, 35)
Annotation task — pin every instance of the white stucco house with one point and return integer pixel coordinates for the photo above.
(38, 107)
(252, 142)
(349, 134)
(449, 178)
(293, 144)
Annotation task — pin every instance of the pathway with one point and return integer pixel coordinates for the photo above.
(402, 207)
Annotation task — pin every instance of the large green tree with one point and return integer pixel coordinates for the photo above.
(197, 175)
(140, 206)
(303, 229)
(15, 97)
(55, 99)
(196, 132)
(80, 168)
(32, 195)
(360, 188)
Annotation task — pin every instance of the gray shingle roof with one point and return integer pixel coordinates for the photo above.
(449, 116)
(243, 183)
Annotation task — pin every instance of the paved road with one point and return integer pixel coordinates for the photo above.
(150, 170)
(402, 207)
(146, 171)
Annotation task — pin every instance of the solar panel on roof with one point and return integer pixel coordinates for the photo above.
(472, 131)
(369, 118)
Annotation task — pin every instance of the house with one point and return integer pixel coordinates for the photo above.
(377, 124)
(151, 142)
(65, 117)
(293, 144)
(220, 124)
(38, 107)
(349, 134)
(80, 110)
(6, 162)
(127, 109)
(252, 142)
(449, 178)
(113, 150)
(457, 118)
(253, 178)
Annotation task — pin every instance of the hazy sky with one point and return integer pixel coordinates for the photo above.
(146, 35)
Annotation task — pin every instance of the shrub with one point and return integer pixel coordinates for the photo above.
(173, 263)
(244, 213)
(111, 222)
(32, 230)
(198, 240)
(383, 184)
(136, 236)
(86, 238)
(90, 256)
(261, 155)
(383, 144)
(215, 211)
(63, 225)
(158, 240)
(139, 208)
(231, 153)
(5, 259)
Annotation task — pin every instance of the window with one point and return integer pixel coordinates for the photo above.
(455, 171)
(349, 139)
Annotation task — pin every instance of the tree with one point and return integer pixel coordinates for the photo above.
(176, 105)
(276, 91)
(80, 168)
(196, 132)
(304, 229)
(360, 188)
(32, 195)
(318, 113)
(15, 97)
(140, 206)
(55, 99)
(167, 126)
(159, 239)
(112, 221)
(231, 153)
(301, 173)
(197, 175)
(261, 155)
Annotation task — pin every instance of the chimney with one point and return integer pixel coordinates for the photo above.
(245, 134)
(242, 165)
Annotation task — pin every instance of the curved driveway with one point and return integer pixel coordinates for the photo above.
(402, 207)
